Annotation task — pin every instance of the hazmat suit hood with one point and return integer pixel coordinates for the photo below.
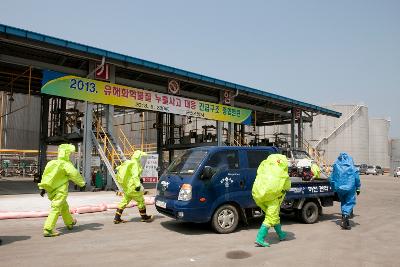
(64, 151)
(272, 179)
(344, 177)
(138, 154)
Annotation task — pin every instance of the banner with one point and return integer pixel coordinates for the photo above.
(73, 87)
(150, 173)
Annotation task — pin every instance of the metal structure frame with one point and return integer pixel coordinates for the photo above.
(20, 49)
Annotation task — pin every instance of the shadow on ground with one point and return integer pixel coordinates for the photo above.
(187, 228)
(337, 217)
(11, 239)
(138, 218)
(82, 227)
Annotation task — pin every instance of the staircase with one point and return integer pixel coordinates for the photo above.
(109, 150)
(313, 149)
(354, 112)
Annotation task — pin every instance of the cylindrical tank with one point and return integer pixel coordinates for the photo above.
(395, 154)
(349, 133)
(379, 142)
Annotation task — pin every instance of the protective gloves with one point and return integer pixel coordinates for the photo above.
(139, 188)
(42, 192)
(83, 188)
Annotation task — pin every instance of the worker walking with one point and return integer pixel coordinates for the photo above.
(345, 181)
(269, 189)
(128, 177)
(55, 181)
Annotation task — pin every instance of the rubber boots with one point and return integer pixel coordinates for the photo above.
(145, 217)
(71, 226)
(117, 218)
(50, 233)
(345, 223)
(261, 235)
(278, 229)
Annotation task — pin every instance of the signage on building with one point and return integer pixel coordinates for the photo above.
(69, 86)
(227, 98)
(103, 73)
(150, 172)
(95, 161)
(173, 87)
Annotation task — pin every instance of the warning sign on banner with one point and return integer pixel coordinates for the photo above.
(150, 173)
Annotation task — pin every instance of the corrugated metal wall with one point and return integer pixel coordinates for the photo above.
(379, 142)
(21, 128)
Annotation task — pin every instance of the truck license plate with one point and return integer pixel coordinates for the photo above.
(161, 204)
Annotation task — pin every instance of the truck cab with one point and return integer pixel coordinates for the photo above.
(213, 184)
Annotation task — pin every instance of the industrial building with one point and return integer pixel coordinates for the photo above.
(109, 104)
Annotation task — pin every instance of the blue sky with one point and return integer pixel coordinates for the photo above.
(318, 51)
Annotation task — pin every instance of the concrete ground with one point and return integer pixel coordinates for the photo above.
(373, 241)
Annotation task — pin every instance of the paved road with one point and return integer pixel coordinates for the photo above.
(373, 241)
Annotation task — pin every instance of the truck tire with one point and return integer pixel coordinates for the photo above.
(309, 213)
(225, 219)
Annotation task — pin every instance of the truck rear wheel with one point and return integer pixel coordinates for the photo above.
(309, 213)
(225, 219)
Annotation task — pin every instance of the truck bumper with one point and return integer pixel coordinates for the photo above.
(181, 210)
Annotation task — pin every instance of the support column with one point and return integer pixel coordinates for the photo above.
(159, 126)
(292, 130)
(242, 133)
(219, 133)
(44, 122)
(171, 136)
(87, 142)
(109, 117)
(300, 131)
(231, 133)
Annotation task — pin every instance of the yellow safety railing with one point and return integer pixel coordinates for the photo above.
(314, 153)
(108, 147)
(127, 147)
(150, 147)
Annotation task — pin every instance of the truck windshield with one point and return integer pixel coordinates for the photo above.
(188, 162)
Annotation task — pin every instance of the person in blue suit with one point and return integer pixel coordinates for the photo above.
(345, 181)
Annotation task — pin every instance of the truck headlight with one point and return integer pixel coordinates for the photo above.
(185, 194)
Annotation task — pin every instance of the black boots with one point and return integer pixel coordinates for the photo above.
(345, 223)
(145, 217)
(117, 218)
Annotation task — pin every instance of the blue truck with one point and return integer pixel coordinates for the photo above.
(213, 184)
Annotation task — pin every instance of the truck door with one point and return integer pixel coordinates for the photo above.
(253, 159)
(228, 180)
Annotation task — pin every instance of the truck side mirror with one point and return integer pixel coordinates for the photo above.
(208, 173)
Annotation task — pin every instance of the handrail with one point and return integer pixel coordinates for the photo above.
(127, 147)
(108, 147)
(340, 125)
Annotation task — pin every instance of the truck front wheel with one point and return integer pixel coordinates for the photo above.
(225, 219)
(309, 213)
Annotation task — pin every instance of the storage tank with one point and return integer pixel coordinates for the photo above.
(395, 153)
(379, 142)
(349, 133)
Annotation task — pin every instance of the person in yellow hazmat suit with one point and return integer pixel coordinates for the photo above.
(55, 181)
(316, 171)
(128, 177)
(269, 189)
